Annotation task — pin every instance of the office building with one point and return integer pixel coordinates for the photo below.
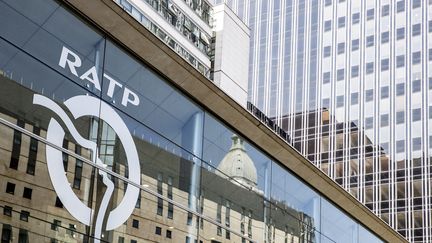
(107, 134)
(349, 83)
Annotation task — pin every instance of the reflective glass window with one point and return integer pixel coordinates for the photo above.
(416, 144)
(416, 3)
(327, 51)
(345, 230)
(400, 61)
(354, 98)
(355, 45)
(369, 67)
(416, 86)
(416, 29)
(370, 40)
(370, 13)
(385, 10)
(400, 33)
(339, 101)
(400, 117)
(369, 95)
(384, 120)
(400, 6)
(341, 48)
(400, 89)
(356, 18)
(326, 77)
(385, 37)
(400, 146)
(384, 92)
(340, 74)
(354, 71)
(416, 57)
(341, 22)
(385, 64)
(416, 114)
(327, 25)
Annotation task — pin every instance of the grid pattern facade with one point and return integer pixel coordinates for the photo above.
(349, 81)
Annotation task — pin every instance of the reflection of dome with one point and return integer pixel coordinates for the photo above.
(238, 165)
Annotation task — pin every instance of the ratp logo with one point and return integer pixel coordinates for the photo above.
(80, 106)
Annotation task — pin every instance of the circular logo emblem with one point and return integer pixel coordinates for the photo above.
(81, 106)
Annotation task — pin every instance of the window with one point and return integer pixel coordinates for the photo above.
(430, 54)
(400, 89)
(416, 86)
(385, 37)
(370, 41)
(355, 45)
(27, 193)
(385, 64)
(341, 48)
(10, 188)
(400, 33)
(416, 29)
(339, 101)
(135, 223)
(385, 10)
(340, 74)
(158, 230)
(354, 71)
(430, 26)
(326, 103)
(133, 241)
(430, 83)
(7, 211)
(328, 2)
(341, 22)
(327, 51)
(369, 95)
(400, 117)
(400, 146)
(416, 114)
(400, 61)
(326, 77)
(430, 112)
(354, 98)
(71, 230)
(120, 239)
(56, 223)
(416, 3)
(400, 6)
(370, 14)
(416, 57)
(384, 92)
(384, 120)
(369, 67)
(168, 234)
(24, 215)
(356, 18)
(369, 122)
(416, 144)
(327, 25)
(58, 203)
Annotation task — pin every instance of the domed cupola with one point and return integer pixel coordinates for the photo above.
(238, 165)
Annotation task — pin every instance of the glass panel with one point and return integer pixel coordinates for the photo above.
(292, 195)
(75, 51)
(136, 90)
(337, 226)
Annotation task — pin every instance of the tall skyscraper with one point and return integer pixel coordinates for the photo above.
(349, 82)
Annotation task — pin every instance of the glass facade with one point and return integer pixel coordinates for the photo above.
(97, 147)
(360, 108)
